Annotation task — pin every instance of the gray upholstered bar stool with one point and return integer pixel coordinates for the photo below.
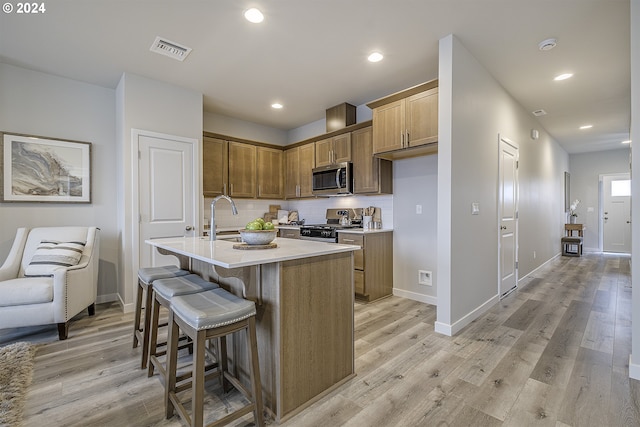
(146, 277)
(203, 316)
(164, 290)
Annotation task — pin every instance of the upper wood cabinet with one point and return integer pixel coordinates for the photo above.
(299, 162)
(333, 150)
(242, 170)
(405, 120)
(371, 175)
(215, 169)
(269, 172)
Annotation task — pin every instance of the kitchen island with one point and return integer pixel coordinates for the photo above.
(304, 298)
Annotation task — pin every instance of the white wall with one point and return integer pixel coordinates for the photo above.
(149, 105)
(634, 361)
(42, 104)
(473, 110)
(585, 169)
(415, 182)
(231, 126)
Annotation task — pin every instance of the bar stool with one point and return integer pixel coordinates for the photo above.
(146, 277)
(163, 291)
(202, 316)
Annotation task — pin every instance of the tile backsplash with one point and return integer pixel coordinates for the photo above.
(311, 210)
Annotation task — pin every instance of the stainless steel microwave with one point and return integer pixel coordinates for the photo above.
(333, 180)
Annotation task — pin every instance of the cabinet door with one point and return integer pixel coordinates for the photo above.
(388, 127)
(214, 166)
(242, 170)
(306, 158)
(365, 166)
(324, 152)
(269, 173)
(292, 172)
(422, 118)
(341, 148)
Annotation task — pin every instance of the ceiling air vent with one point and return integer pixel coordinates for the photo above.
(539, 113)
(170, 49)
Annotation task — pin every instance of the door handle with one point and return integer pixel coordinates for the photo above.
(606, 217)
(503, 227)
(628, 222)
(189, 227)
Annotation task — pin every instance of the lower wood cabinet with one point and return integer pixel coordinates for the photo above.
(373, 264)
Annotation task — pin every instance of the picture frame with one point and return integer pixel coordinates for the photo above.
(45, 170)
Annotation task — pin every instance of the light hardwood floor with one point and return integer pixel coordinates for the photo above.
(553, 353)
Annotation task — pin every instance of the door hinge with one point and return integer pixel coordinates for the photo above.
(517, 215)
(516, 265)
(517, 164)
(139, 219)
(139, 154)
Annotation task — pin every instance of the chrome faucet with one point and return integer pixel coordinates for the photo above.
(212, 227)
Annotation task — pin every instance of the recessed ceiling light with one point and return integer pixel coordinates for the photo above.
(375, 57)
(586, 127)
(276, 105)
(628, 141)
(547, 44)
(253, 15)
(564, 76)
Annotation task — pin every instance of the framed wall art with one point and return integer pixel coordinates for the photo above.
(41, 169)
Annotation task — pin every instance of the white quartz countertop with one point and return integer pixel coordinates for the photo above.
(221, 252)
(365, 231)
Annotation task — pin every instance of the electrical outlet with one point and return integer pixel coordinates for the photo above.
(418, 209)
(424, 278)
(534, 254)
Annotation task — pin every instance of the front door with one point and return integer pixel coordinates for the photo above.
(616, 218)
(508, 216)
(167, 193)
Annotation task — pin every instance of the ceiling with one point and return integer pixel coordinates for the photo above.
(310, 55)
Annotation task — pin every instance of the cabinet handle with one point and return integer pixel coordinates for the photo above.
(224, 188)
(402, 139)
(348, 240)
(259, 190)
(231, 189)
(407, 132)
(297, 190)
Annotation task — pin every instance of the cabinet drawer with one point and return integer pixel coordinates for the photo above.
(290, 234)
(358, 281)
(354, 239)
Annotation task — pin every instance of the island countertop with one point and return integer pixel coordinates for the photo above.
(221, 252)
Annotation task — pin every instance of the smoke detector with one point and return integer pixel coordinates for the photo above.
(547, 44)
(539, 113)
(170, 49)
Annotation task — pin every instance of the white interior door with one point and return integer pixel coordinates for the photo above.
(167, 192)
(508, 216)
(616, 209)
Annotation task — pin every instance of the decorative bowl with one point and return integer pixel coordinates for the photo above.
(258, 237)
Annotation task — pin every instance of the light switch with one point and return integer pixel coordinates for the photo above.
(590, 209)
(418, 209)
(475, 208)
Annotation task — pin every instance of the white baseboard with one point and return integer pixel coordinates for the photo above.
(634, 369)
(540, 267)
(126, 308)
(457, 326)
(427, 299)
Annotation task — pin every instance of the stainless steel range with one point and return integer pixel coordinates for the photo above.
(337, 219)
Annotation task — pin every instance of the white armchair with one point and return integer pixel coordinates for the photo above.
(49, 293)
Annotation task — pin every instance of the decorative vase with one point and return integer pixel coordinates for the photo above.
(572, 219)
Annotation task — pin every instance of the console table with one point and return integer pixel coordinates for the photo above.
(570, 239)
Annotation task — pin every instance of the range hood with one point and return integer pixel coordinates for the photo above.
(340, 116)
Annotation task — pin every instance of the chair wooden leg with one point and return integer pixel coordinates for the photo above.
(197, 380)
(92, 309)
(147, 324)
(172, 361)
(63, 331)
(136, 320)
(256, 386)
(153, 335)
